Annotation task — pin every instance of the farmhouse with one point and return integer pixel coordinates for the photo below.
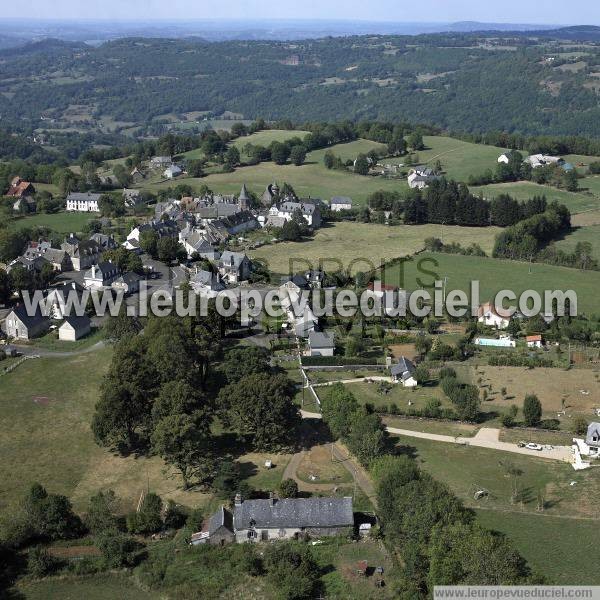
(541, 160)
(404, 372)
(221, 229)
(83, 202)
(160, 162)
(74, 328)
(137, 175)
(35, 263)
(172, 172)
(286, 210)
(321, 343)
(273, 519)
(20, 189)
(132, 197)
(22, 326)
(195, 242)
(165, 228)
(205, 283)
(591, 445)
(338, 203)
(420, 178)
(106, 242)
(59, 259)
(489, 315)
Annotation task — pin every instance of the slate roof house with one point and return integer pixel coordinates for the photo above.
(235, 224)
(338, 203)
(404, 372)
(172, 172)
(216, 530)
(321, 343)
(58, 258)
(592, 439)
(206, 283)
(287, 209)
(160, 161)
(64, 298)
(101, 275)
(234, 266)
(270, 194)
(83, 202)
(128, 283)
(83, 254)
(273, 519)
(74, 328)
(106, 242)
(420, 178)
(21, 326)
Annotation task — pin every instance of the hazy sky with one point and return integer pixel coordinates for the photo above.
(513, 11)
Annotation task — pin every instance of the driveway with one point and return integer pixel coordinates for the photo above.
(486, 437)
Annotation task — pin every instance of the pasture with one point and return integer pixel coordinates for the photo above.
(267, 137)
(560, 548)
(589, 234)
(576, 202)
(494, 275)
(61, 222)
(363, 246)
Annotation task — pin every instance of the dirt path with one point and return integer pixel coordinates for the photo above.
(32, 350)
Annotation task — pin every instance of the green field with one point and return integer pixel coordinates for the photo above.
(467, 469)
(576, 202)
(348, 151)
(589, 234)
(366, 243)
(495, 275)
(564, 550)
(459, 159)
(62, 222)
(45, 436)
(267, 137)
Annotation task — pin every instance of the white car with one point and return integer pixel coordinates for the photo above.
(532, 446)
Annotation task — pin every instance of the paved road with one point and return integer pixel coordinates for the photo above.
(486, 437)
(355, 380)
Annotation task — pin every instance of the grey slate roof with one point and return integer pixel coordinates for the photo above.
(593, 434)
(341, 200)
(294, 512)
(78, 323)
(222, 518)
(83, 196)
(321, 339)
(404, 368)
(29, 321)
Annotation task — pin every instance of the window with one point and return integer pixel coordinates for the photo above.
(251, 534)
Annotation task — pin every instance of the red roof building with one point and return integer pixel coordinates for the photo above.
(20, 189)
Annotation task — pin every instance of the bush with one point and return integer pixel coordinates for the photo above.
(148, 519)
(40, 563)
(532, 410)
(580, 424)
(288, 488)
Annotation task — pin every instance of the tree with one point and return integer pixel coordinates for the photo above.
(329, 159)
(367, 439)
(118, 549)
(149, 242)
(291, 231)
(288, 488)
(121, 325)
(5, 287)
(122, 175)
(195, 168)
(291, 570)
(102, 512)
(245, 360)
(298, 155)
(415, 141)
(338, 408)
(183, 441)
(279, 153)
(361, 165)
(148, 518)
(40, 563)
(168, 249)
(260, 407)
(232, 157)
(532, 410)
(580, 425)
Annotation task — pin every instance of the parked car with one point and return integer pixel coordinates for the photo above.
(532, 446)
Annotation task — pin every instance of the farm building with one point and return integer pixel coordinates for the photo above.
(404, 372)
(321, 343)
(74, 328)
(23, 326)
(534, 341)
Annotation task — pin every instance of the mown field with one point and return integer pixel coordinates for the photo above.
(62, 222)
(576, 202)
(363, 246)
(564, 550)
(589, 233)
(494, 275)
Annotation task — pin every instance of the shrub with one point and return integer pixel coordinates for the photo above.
(288, 488)
(532, 410)
(580, 424)
(40, 563)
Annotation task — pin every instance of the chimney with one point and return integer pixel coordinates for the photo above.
(271, 499)
(238, 499)
(93, 271)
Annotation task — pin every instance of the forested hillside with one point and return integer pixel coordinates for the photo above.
(466, 82)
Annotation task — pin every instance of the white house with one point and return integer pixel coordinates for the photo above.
(234, 266)
(491, 316)
(501, 342)
(591, 445)
(172, 172)
(420, 178)
(542, 160)
(321, 343)
(64, 298)
(534, 341)
(338, 203)
(287, 209)
(83, 202)
(404, 372)
(74, 328)
(100, 276)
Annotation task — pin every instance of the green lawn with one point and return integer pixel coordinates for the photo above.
(576, 202)
(494, 275)
(62, 222)
(467, 469)
(267, 137)
(363, 246)
(94, 587)
(564, 550)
